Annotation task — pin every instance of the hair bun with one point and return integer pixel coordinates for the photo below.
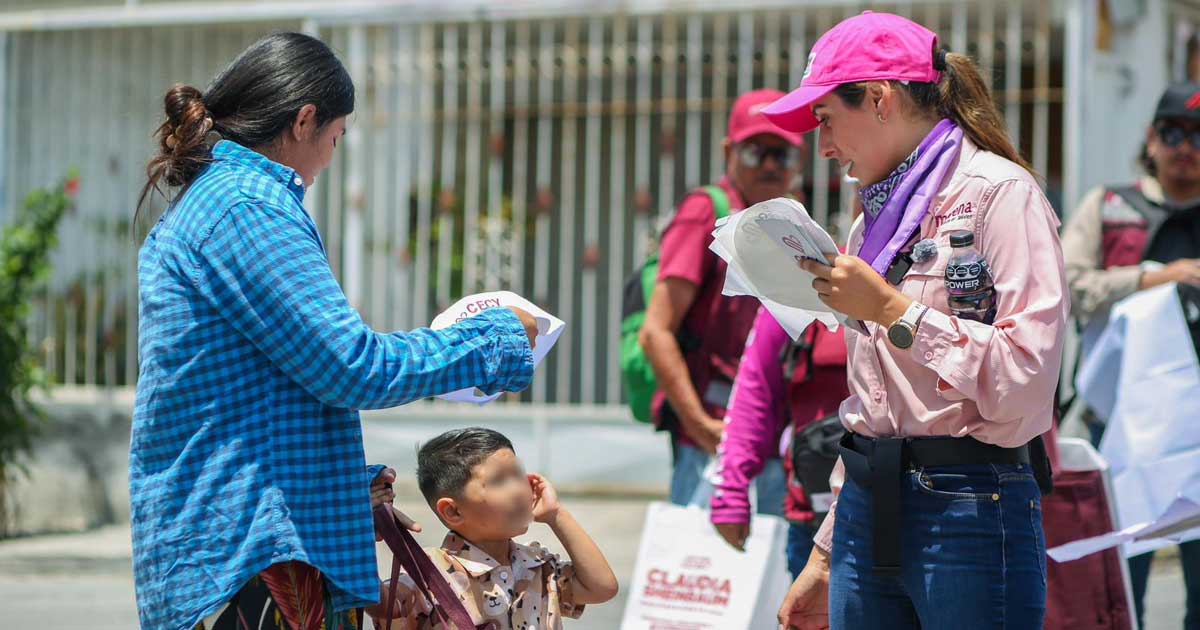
(182, 138)
(184, 105)
(187, 119)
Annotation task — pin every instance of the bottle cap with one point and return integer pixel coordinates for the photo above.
(962, 238)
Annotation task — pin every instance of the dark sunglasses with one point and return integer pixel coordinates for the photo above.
(1174, 135)
(753, 155)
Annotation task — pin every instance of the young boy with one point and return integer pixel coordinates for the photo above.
(478, 488)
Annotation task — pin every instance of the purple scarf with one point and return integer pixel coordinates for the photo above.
(894, 208)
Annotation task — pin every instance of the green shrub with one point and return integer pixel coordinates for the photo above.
(25, 247)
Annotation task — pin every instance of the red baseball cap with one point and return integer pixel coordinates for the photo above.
(867, 47)
(747, 119)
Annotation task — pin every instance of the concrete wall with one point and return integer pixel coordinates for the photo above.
(78, 475)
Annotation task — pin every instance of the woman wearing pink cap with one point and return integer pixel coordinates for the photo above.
(937, 524)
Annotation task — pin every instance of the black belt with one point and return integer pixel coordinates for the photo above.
(880, 463)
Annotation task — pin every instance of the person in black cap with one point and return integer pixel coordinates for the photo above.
(1124, 239)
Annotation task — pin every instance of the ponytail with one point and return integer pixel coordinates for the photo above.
(964, 98)
(960, 95)
(184, 142)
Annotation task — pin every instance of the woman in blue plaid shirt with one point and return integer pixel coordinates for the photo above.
(251, 500)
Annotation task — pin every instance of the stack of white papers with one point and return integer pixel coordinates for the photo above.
(549, 330)
(763, 246)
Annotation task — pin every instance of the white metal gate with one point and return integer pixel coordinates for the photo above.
(535, 153)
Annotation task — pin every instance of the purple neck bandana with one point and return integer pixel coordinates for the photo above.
(894, 208)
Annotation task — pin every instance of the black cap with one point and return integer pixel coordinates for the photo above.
(1180, 101)
(962, 238)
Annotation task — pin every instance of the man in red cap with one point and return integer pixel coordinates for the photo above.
(693, 335)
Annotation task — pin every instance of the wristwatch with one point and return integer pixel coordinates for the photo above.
(903, 331)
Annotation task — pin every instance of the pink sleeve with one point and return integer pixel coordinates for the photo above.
(1010, 369)
(683, 249)
(753, 421)
(824, 537)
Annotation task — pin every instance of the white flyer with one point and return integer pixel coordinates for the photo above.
(549, 330)
(1172, 526)
(763, 246)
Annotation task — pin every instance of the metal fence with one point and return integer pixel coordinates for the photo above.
(1184, 50)
(536, 154)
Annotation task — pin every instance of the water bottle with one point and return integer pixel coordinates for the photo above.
(969, 280)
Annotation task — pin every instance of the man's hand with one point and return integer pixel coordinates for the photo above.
(545, 499)
(852, 287)
(806, 606)
(381, 487)
(408, 600)
(530, 324)
(734, 533)
(1183, 271)
(705, 431)
(669, 303)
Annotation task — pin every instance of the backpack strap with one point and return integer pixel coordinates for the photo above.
(720, 200)
(407, 554)
(689, 341)
(1154, 214)
(799, 352)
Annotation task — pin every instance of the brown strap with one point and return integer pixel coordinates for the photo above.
(407, 554)
(242, 618)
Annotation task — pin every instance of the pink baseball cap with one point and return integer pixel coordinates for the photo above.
(867, 47)
(747, 119)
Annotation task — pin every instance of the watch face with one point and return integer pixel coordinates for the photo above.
(900, 336)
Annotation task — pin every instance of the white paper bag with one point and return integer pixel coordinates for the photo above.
(549, 330)
(687, 576)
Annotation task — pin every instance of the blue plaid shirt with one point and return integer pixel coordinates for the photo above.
(247, 449)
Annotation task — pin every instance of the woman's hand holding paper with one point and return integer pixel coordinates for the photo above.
(852, 287)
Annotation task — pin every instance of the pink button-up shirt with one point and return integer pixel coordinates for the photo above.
(994, 383)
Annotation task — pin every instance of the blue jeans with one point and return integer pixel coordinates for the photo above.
(799, 546)
(1139, 574)
(689, 487)
(972, 554)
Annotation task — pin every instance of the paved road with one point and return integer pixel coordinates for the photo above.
(85, 580)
